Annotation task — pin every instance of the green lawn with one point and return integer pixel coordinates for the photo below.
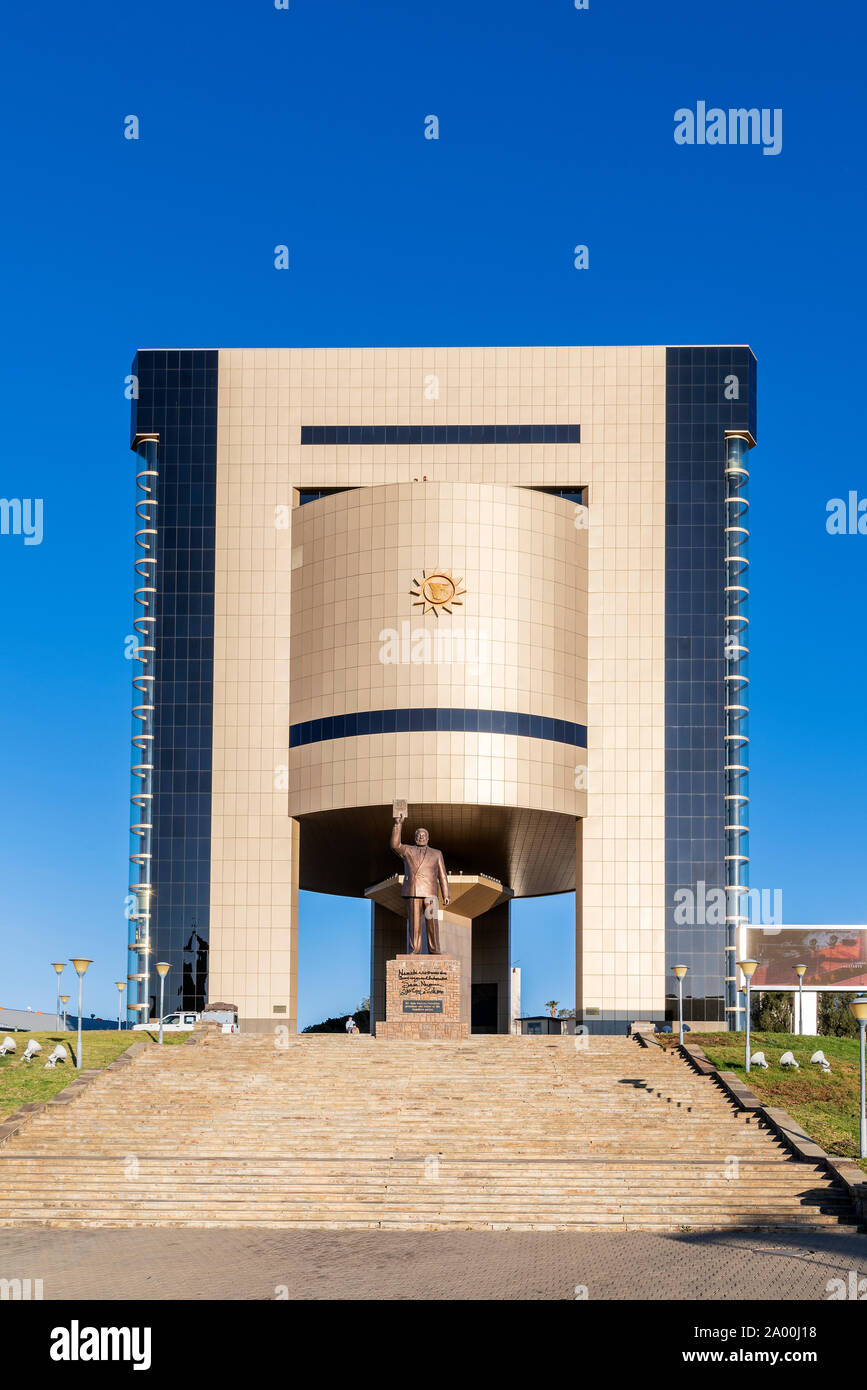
(827, 1106)
(21, 1082)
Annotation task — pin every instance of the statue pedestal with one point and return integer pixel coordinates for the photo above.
(423, 1000)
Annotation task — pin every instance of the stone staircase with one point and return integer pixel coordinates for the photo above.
(350, 1133)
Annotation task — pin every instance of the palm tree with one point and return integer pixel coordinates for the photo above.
(553, 1005)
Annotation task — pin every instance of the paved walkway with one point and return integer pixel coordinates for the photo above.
(470, 1265)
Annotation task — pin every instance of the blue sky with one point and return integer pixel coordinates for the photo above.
(306, 127)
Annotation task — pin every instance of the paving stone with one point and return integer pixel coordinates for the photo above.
(443, 1265)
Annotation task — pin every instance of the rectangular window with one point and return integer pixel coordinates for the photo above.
(440, 434)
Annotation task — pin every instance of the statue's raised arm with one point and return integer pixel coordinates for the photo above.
(395, 835)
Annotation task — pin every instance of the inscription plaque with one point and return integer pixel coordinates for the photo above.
(423, 999)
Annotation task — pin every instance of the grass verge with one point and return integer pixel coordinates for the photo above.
(22, 1082)
(827, 1105)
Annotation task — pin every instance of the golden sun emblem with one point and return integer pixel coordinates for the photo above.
(437, 591)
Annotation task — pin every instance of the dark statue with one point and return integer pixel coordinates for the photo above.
(424, 877)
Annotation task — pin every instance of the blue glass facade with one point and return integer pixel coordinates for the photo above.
(178, 402)
(709, 390)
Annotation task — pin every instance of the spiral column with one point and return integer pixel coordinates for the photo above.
(142, 769)
(737, 770)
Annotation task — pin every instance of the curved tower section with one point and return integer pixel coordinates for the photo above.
(438, 653)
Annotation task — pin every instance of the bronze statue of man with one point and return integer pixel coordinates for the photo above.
(424, 874)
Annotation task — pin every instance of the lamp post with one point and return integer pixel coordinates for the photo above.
(800, 971)
(748, 968)
(163, 968)
(59, 966)
(64, 999)
(858, 1009)
(121, 986)
(679, 972)
(80, 964)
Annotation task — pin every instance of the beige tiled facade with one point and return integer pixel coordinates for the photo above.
(568, 617)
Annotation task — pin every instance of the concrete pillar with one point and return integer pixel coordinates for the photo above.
(234, 926)
(579, 920)
(456, 939)
(515, 999)
(387, 940)
(491, 942)
(811, 1012)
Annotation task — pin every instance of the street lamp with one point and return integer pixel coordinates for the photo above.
(59, 966)
(163, 968)
(679, 972)
(858, 1009)
(80, 965)
(800, 971)
(64, 999)
(121, 986)
(748, 969)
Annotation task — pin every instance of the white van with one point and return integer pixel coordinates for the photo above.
(182, 1022)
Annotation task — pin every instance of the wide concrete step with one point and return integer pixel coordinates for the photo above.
(415, 1184)
(413, 1178)
(380, 1209)
(416, 1152)
(624, 1120)
(398, 1222)
(763, 1175)
(422, 1136)
(474, 1197)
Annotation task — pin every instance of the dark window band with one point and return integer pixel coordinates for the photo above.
(410, 721)
(569, 494)
(313, 494)
(440, 434)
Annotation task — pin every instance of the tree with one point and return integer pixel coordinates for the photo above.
(771, 1012)
(835, 1016)
(552, 1006)
(338, 1025)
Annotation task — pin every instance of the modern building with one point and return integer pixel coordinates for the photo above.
(505, 584)
(20, 1020)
